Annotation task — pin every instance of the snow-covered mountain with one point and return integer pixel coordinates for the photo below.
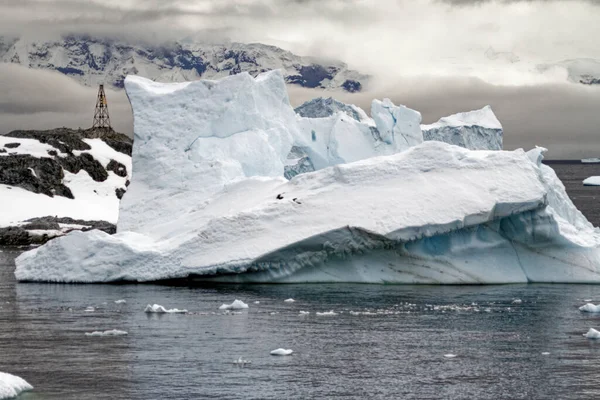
(52, 182)
(93, 61)
(579, 70)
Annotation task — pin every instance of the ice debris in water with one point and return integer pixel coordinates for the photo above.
(236, 305)
(304, 312)
(449, 355)
(158, 309)
(289, 300)
(241, 361)
(90, 309)
(281, 352)
(545, 353)
(327, 313)
(120, 301)
(12, 385)
(257, 302)
(592, 334)
(517, 301)
(113, 332)
(589, 307)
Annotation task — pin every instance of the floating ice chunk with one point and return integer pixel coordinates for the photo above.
(449, 355)
(257, 302)
(113, 332)
(120, 301)
(592, 181)
(289, 300)
(281, 352)
(589, 307)
(517, 301)
(236, 305)
(11, 385)
(90, 309)
(545, 353)
(304, 312)
(158, 309)
(588, 300)
(241, 361)
(326, 313)
(592, 334)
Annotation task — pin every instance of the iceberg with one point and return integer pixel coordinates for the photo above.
(474, 130)
(589, 307)
(158, 309)
(236, 305)
(11, 386)
(208, 201)
(281, 352)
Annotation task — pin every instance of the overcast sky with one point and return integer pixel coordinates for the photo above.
(429, 55)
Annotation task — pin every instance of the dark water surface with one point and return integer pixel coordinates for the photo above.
(386, 342)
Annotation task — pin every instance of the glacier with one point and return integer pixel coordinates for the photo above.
(208, 200)
(474, 130)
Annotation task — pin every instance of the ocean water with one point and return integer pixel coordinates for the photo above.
(385, 341)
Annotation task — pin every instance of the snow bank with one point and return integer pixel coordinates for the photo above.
(474, 130)
(158, 309)
(592, 181)
(236, 305)
(589, 307)
(11, 386)
(281, 352)
(113, 332)
(208, 202)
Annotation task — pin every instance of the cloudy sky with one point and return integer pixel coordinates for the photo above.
(436, 56)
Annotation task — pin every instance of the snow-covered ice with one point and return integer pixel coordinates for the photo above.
(236, 305)
(158, 309)
(12, 385)
(89, 309)
(289, 300)
(474, 130)
(326, 313)
(281, 352)
(450, 355)
(304, 312)
(112, 332)
(545, 353)
(592, 334)
(589, 307)
(208, 201)
(120, 301)
(517, 301)
(592, 181)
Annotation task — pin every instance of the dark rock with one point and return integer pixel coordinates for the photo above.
(12, 145)
(14, 236)
(117, 168)
(352, 86)
(86, 162)
(2, 150)
(15, 171)
(120, 192)
(52, 153)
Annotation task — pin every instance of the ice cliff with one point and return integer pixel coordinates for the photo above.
(208, 201)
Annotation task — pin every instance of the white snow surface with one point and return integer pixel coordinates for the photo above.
(474, 130)
(236, 305)
(592, 181)
(208, 202)
(12, 385)
(158, 309)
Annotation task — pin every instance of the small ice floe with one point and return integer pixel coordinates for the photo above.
(120, 301)
(304, 312)
(281, 352)
(158, 309)
(589, 307)
(257, 302)
(274, 313)
(545, 353)
(12, 385)
(326, 313)
(241, 361)
(112, 332)
(289, 300)
(517, 301)
(592, 334)
(449, 355)
(588, 300)
(90, 309)
(236, 305)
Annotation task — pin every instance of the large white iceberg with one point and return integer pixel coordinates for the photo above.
(474, 130)
(208, 201)
(11, 386)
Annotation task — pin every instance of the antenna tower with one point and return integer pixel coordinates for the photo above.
(101, 118)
